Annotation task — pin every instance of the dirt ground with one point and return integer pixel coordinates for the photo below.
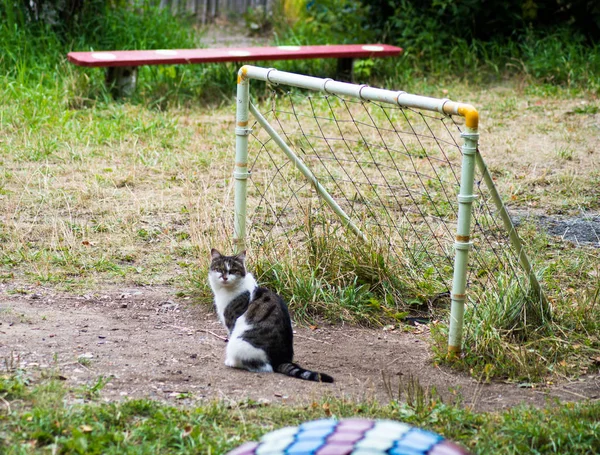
(151, 344)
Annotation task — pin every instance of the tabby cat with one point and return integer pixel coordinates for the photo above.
(257, 319)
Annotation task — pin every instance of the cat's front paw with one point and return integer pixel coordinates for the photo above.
(230, 363)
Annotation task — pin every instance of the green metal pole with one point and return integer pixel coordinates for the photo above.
(463, 237)
(240, 172)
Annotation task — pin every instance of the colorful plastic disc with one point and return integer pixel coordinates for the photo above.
(350, 437)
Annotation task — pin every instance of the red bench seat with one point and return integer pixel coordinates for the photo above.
(242, 54)
(122, 74)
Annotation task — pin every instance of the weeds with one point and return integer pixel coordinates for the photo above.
(587, 109)
(565, 153)
(339, 279)
(39, 417)
(90, 392)
(422, 401)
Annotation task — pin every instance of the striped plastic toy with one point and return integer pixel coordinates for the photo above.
(350, 437)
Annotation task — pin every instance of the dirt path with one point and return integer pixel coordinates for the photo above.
(154, 345)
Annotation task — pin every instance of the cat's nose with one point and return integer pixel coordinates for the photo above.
(223, 277)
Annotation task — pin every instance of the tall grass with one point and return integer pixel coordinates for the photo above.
(433, 51)
(507, 334)
(34, 57)
(333, 275)
(510, 334)
(559, 58)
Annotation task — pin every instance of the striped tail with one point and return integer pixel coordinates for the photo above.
(296, 371)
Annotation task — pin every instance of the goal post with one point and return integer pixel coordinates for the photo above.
(470, 162)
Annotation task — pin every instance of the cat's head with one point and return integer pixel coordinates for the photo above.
(226, 271)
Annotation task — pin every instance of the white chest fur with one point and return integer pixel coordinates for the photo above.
(225, 292)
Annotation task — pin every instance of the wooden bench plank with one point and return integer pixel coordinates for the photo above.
(189, 56)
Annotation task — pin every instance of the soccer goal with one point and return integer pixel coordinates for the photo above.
(356, 165)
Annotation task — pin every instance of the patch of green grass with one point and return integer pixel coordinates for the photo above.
(499, 342)
(587, 109)
(342, 279)
(91, 391)
(38, 418)
(510, 335)
(564, 153)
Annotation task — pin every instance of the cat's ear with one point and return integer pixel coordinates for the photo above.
(242, 256)
(214, 254)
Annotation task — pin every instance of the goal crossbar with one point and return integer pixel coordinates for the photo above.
(363, 92)
(470, 159)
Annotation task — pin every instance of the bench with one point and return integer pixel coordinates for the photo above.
(122, 65)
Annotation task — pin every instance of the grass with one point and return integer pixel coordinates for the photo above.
(101, 193)
(97, 192)
(41, 417)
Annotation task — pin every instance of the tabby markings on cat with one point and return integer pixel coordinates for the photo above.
(257, 319)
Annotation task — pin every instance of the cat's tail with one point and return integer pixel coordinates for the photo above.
(296, 371)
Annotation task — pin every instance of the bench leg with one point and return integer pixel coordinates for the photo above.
(345, 70)
(121, 80)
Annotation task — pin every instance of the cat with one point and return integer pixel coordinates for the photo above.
(257, 319)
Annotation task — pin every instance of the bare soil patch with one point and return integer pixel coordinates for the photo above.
(154, 345)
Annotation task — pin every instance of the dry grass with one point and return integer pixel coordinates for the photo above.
(135, 206)
(542, 149)
(117, 193)
(120, 193)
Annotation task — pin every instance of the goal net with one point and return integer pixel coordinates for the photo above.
(387, 186)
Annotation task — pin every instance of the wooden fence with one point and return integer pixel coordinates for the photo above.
(207, 10)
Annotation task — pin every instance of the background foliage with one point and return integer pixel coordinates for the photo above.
(552, 41)
(481, 19)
